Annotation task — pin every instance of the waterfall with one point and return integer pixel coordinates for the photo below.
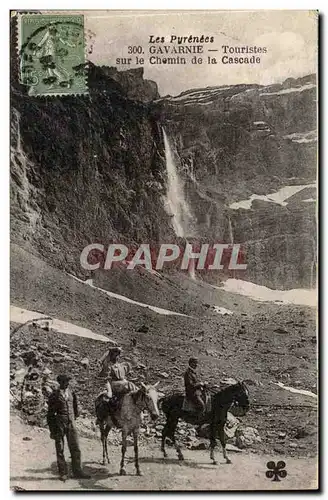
(191, 270)
(176, 204)
(230, 230)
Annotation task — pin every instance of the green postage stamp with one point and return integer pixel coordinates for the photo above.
(52, 54)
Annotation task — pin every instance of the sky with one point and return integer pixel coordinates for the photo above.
(289, 36)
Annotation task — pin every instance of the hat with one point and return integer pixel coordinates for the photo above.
(193, 360)
(63, 378)
(114, 350)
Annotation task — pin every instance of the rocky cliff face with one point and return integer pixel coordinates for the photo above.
(86, 169)
(232, 142)
(92, 169)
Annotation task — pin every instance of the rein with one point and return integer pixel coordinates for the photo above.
(230, 395)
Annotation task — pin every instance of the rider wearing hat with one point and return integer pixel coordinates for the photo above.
(62, 412)
(194, 386)
(116, 372)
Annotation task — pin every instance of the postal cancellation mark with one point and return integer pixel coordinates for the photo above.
(52, 54)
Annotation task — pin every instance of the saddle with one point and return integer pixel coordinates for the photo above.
(189, 406)
(105, 406)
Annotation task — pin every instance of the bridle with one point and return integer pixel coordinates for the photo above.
(242, 390)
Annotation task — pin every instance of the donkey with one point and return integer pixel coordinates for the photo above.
(127, 417)
(221, 401)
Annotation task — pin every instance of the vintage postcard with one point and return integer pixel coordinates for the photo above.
(163, 321)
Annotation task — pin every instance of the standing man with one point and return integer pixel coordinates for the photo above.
(194, 387)
(62, 412)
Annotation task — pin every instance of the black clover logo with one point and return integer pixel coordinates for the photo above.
(276, 470)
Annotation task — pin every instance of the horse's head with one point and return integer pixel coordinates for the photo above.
(241, 400)
(150, 398)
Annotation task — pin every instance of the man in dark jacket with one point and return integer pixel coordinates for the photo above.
(193, 386)
(62, 412)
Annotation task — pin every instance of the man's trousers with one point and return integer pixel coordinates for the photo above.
(70, 432)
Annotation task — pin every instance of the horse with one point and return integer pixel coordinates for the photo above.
(221, 402)
(126, 417)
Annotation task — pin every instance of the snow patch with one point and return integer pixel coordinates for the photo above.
(304, 140)
(302, 137)
(19, 315)
(158, 310)
(278, 197)
(222, 310)
(199, 93)
(297, 391)
(292, 89)
(298, 296)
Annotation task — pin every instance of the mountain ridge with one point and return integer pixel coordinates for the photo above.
(91, 168)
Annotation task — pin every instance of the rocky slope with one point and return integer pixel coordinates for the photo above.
(261, 343)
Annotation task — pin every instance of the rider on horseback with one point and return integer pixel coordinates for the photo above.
(194, 387)
(116, 372)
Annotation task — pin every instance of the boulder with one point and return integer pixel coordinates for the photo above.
(280, 330)
(301, 433)
(143, 329)
(67, 357)
(19, 375)
(63, 347)
(85, 362)
(231, 425)
(227, 381)
(229, 428)
(58, 359)
(58, 356)
(198, 445)
(246, 437)
(249, 381)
